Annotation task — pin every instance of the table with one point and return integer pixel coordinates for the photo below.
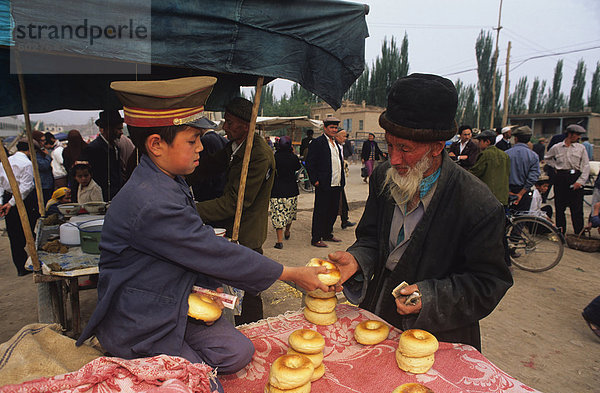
(352, 367)
(58, 288)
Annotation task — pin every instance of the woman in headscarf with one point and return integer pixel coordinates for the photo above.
(59, 196)
(284, 195)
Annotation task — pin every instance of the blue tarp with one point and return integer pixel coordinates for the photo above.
(317, 43)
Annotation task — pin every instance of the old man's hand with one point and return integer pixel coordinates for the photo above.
(404, 309)
(347, 265)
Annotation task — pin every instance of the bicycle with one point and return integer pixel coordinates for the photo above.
(535, 244)
(303, 180)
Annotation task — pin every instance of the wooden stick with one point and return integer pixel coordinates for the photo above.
(36, 171)
(246, 161)
(14, 186)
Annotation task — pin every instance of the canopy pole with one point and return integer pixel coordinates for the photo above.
(14, 186)
(246, 161)
(33, 154)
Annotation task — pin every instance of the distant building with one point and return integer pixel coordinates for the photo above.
(357, 120)
(549, 124)
(11, 126)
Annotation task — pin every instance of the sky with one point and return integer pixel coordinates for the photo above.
(442, 35)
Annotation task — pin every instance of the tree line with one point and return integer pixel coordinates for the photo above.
(474, 100)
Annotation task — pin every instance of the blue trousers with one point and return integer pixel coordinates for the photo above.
(220, 345)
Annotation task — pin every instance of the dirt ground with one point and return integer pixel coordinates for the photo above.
(536, 334)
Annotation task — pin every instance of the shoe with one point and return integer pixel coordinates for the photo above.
(24, 273)
(348, 224)
(286, 235)
(333, 239)
(279, 245)
(514, 253)
(318, 244)
(365, 179)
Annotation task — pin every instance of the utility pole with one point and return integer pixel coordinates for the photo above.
(506, 87)
(494, 63)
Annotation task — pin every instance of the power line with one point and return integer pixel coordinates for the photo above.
(555, 54)
(424, 26)
(530, 58)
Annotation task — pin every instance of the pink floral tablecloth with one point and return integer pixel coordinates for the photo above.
(352, 367)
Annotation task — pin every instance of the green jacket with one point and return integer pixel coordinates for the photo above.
(493, 168)
(220, 212)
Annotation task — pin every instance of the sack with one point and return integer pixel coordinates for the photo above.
(364, 172)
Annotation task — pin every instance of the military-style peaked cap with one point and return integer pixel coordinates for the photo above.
(163, 103)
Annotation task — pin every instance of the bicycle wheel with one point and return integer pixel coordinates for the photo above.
(303, 180)
(536, 245)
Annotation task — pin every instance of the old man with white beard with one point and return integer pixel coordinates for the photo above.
(427, 222)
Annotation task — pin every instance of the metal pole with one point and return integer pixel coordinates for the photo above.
(494, 63)
(506, 87)
(246, 161)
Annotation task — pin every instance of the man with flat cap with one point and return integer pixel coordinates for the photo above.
(572, 168)
(220, 212)
(524, 169)
(325, 166)
(103, 154)
(426, 222)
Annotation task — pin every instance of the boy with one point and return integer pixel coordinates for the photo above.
(536, 208)
(88, 190)
(155, 247)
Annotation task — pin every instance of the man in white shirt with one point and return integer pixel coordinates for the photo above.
(570, 161)
(55, 149)
(23, 171)
(324, 163)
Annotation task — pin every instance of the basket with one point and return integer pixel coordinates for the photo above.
(582, 242)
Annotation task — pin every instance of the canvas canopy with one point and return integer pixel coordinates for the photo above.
(317, 43)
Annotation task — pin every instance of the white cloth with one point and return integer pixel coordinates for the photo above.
(536, 205)
(23, 170)
(336, 164)
(498, 138)
(57, 164)
(462, 146)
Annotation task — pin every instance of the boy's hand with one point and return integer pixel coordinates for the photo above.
(306, 277)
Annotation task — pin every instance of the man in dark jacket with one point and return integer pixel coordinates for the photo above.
(325, 166)
(464, 150)
(103, 154)
(428, 223)
(210, 186)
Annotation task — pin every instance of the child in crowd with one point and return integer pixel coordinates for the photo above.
(88, 190)
(155, 247)
(59, 196)
(541, 186)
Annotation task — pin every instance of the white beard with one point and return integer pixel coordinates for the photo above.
(402, 188)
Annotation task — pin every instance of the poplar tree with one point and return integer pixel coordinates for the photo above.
(576, 96)
(594, 98)
(486, 66)
(556, 99)
(516, 100)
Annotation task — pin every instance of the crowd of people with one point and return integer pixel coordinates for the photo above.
(78, 172)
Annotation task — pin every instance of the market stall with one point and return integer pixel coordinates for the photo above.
(318, 44)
